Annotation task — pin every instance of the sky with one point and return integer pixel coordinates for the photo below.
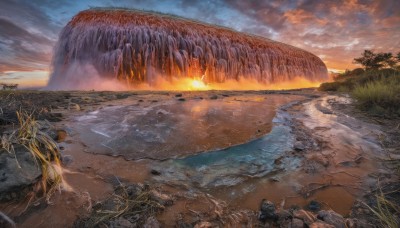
(335, 30)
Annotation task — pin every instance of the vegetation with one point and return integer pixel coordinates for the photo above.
(386, 211)
(42, 147)
(375, 87)
(130, 202)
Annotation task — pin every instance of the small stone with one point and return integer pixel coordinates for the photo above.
(155, 172)
(267, 211)
(314, 206)
(332, 218)
(181, 99)
(307, 217)
(161, 198)
(320, 224)
(299, 146)
(66, 159)
(61, 135)
(140, 100)
(297, 223)
(203, 225)
(274, 179)
(178, 95)
(213, 97)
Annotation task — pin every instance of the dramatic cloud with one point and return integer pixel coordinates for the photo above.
(335, 30)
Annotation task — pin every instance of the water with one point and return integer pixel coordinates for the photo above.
(230, 166)
(135, 46)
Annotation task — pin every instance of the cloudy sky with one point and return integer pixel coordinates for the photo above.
(335, 30)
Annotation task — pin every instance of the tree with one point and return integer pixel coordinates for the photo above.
(371, 60)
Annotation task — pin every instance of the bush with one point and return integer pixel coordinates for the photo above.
(330, 86)
(379, 97)
(376, 91)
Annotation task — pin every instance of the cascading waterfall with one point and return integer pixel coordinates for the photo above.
(139, 47)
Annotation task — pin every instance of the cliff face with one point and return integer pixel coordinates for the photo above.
(135, 46)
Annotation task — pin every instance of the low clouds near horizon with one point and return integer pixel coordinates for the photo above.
(336, 31)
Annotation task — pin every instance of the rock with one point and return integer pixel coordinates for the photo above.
(155, 172)
(297, 223)
(307, 217)
(61, 135)
(178, 95)
(320, 224)
(151, 222)
(161, 198)
(314, 206)
(299, 146)
(273, 179)
(121, 223)
(203, 225)
(332, 218)
(181, 99)
(14, 178)
(267, 211)
(66, 159)
(77, 107)
(356, 223)
(213, 97)
(284, 215)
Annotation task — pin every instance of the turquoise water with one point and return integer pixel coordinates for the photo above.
(233, 165)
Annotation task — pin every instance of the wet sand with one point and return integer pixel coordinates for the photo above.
(181, 136)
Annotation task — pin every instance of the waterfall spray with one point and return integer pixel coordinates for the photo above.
(130, 47)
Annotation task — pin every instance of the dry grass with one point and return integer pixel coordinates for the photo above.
(386, 211)
(129, 202)
(41, 146)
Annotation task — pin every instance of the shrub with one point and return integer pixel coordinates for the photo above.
(379, 97)
(330, 86)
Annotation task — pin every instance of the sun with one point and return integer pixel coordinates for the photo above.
(197, 84)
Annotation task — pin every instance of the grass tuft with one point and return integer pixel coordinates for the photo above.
(130, 202)
(41, 146)
(386, 211)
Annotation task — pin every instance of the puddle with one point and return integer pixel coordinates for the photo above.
(231, 166)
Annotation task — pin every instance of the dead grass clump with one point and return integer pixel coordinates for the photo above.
(131, 202)
(41, 146)
(386, 211)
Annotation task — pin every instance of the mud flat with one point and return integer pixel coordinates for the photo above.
(210, 158)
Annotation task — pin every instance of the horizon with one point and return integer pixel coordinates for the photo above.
(30, 31)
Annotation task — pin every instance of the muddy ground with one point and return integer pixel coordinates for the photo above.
(310, 152)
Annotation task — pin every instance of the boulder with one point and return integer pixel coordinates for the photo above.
(17, 171)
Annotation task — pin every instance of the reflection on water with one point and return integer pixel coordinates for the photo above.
(161, 130)
(231, 166)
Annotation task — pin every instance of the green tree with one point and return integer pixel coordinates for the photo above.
(371, 60)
